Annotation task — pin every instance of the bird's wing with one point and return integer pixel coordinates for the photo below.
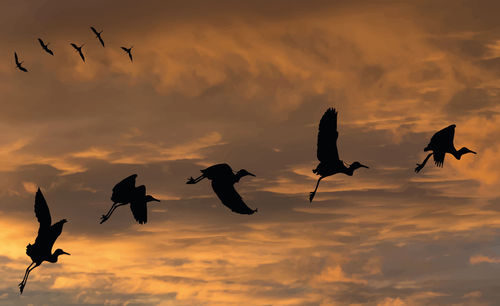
(100, 39)
(41, 43)
(42, 211)
(81, 55)
(49, 51)
(16, 58)
(55, 231)
(138, 205)
(327, 137)
(442, 142)
(122, 192)
(229, 197)
(124, 49)
(94, 30)
(23, 69)
(130, 56)
(74, 46)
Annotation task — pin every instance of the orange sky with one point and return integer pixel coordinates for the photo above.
(246, 82)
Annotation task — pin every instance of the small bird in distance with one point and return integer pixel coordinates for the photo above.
(19, 64)
(45, 47)
(98, 35)
(129, 52)
(79, 50)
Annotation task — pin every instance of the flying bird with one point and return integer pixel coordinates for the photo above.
(124, 193)
(327, 152)
(223, 180)
(47, 234)
(129, 52)
(19, 64)
(45, 47)
(98, 35)
(440, 144)
(79, 50)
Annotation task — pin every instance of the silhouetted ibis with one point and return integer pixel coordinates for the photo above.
(223, 180)
(98, 35)
(440, 144)
(19, 64)
(124, 193)
(45, 47)
(327, 153)
(129, 52)
(79, 50)
(47, 234)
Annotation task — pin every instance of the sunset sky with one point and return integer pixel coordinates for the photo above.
(245, 83)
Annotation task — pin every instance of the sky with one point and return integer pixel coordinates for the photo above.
(245, 83)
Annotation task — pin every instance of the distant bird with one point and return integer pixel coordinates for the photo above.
(19, 64)
(45, 47)
(124, 193)
(129, 51)
(223, 180)
(98, 35)
(47, 234)
(79, 50)
(440, 144)
(327, 153)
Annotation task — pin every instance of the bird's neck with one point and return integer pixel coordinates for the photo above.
(457, 154)
(237, 177)
(53, 258)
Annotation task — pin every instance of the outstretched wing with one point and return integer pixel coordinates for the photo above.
(440, 143)
(124, 190)
(94, 30)
(124, 49)
(327, 137)
(81, 55)
(100, 39)
(74, 46)
(138, 205)
(42, 211)
(130, 56)
(41, 43)
(229, 197)
(16, 58)
(23, 69)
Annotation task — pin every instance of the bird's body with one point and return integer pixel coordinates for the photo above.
(79, 50)
(223, 180)
(440, 144)
(129, 52)
(98, 35)
(124, 193)
(19, 64)
(45, 47)
(327, 152)
(48, 233)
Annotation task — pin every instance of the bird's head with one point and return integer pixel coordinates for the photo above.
(53, 257)
(150, 199)
(355, 165)
(465, 150)
(60, 252)
(242, 173)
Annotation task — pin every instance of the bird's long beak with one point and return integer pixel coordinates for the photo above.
(66, 253)
(473, 152)
(251, 174)
(361, 165)
(156, 200)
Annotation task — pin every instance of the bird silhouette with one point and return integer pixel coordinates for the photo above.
(79, 50)
(98, 35)
(41, 250)
(19, 64)
(129, 52)
(440, 144)
(223, 180)
(327, 152)
(124, 193)
(45, 47)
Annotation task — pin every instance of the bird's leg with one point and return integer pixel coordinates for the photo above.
(311, 195)
(25, 278)
(420, 166)
(111, 210)
(192, 180)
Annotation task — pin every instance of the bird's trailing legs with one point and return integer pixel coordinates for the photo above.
(311, 195)
(105, 217)
(192, 180)
(420, 166)
(25, 278)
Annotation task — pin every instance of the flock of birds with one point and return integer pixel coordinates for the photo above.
(222, 178)
(45, 47)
